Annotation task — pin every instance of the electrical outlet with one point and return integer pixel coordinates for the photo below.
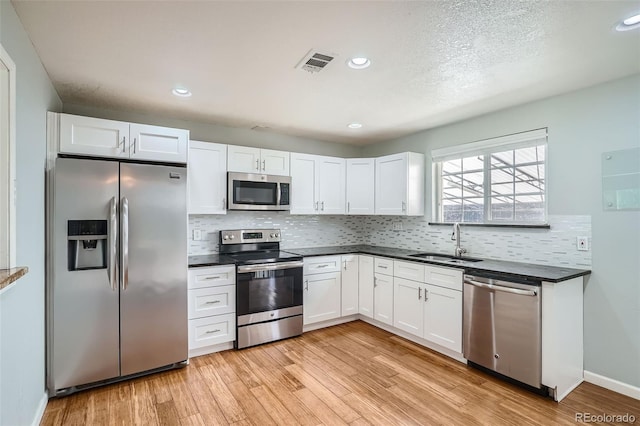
(397, 226)
(582, 243)
(197, 235)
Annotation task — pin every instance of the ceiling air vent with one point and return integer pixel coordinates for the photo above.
(315, 61)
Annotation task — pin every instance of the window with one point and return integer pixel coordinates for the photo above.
(7, 160)
(495, 181)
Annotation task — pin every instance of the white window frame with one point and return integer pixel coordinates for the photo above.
(7, 160)
(486, 147)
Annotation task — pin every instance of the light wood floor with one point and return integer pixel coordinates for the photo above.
(352, 373)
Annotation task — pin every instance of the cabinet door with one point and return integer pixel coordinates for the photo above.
(360, 191)
(157, 143)
(303, 184)
(93, 136)
(383, 298)
(391, 184)
(408, 306)
(365, 285)
(331, 184)
(243, 159)
(349, 285)
(443, 317)
(274, 162)
(321, 297)
(207, 178)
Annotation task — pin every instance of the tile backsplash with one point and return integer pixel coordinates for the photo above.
(555, 246)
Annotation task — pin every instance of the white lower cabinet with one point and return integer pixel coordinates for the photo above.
(431, 312)
(443, 317)
(212, 308)
(211, 331)
(408, 306)
(349, 284)
(365, 285)
(383, 298)
(321, 297)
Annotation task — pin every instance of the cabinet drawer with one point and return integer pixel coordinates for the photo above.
(212, 276)
(383, 265)
(320, 265)
(204, 302)
(408, 270)
(443, 277)
(212, 330)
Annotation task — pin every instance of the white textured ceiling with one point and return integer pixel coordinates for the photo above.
(433, 62)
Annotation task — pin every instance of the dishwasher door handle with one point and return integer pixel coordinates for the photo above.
(502, 288)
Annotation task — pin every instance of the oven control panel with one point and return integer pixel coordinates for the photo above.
(243, 236)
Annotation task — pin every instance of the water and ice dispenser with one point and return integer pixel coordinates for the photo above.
(87, 244)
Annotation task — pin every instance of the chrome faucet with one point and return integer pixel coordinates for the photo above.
(459, 251)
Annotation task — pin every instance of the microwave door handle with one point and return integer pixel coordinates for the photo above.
(279, 195)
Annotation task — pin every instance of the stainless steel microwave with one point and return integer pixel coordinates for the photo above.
(251, 191)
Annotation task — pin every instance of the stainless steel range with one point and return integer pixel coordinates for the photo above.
(268, 286)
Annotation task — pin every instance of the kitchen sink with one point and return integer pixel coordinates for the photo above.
(437, 257)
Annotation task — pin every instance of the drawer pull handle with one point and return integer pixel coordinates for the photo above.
(213, 331)
(382, 266)
(212, 302)
(216, 277)
(323, 266)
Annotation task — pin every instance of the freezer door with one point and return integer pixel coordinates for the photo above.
(82, 294)
(153, 296)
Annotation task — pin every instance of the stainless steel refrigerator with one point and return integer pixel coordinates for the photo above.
(117, 282)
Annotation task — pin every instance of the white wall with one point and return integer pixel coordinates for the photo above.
(582, 125)
(222, 134)
(22, 336)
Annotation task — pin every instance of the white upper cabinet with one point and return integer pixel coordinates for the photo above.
(93, 136)
(317, 184)
(207, 178)
(303, 184)
(158, 143)
(400, 184)
(244, 159)
(118, 139)
(274, 162)
(331, 185)
(360, 190)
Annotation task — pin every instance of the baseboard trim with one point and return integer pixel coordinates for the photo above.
(612, 384)
(193, 353)
(37, 418)
(329, 323)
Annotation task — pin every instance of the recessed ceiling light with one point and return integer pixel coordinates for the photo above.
(181, 91)
(630, 23)
(359, 63)
(354, 125)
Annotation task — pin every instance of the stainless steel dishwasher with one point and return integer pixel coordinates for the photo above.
(502, 327)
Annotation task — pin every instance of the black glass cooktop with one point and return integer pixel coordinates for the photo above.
(264, 256)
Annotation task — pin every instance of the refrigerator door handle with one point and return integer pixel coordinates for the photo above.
(113, 243)
(124, 224)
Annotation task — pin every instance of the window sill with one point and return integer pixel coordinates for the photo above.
(494, 225)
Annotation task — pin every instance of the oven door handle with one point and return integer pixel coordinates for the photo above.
(501, 288)
(270, 266)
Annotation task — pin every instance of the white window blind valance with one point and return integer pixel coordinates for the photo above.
(514, 141)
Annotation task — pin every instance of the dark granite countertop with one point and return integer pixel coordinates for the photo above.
(523, 270)
(504, 268)
(210, 260)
